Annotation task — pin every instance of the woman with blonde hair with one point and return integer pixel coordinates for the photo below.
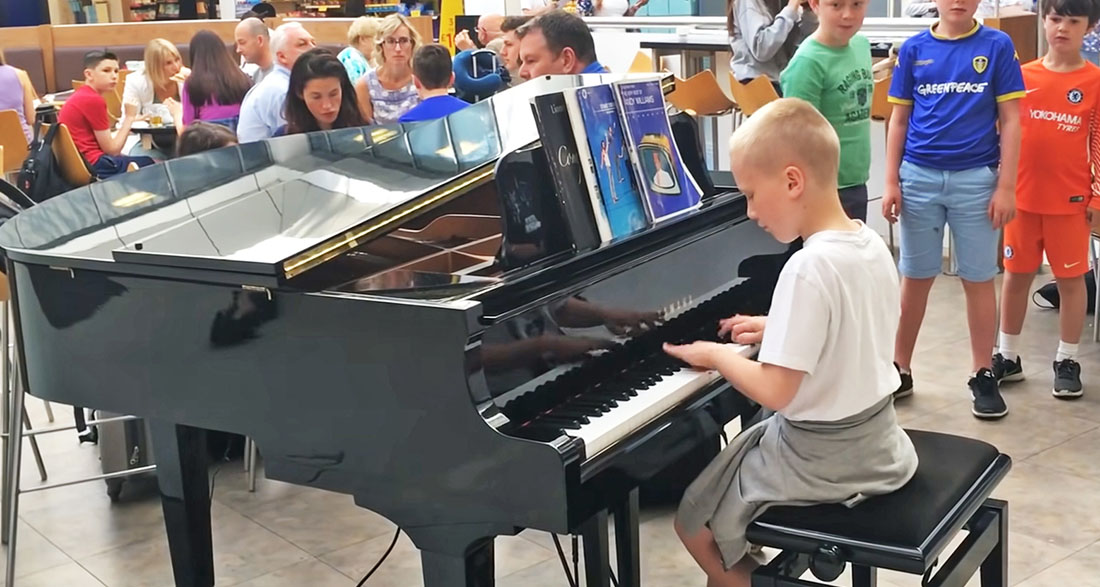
(160, 80)
(387, 92)
(358, 56)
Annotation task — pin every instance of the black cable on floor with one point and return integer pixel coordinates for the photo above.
(576, 559)
(564, 563)
(381, 560)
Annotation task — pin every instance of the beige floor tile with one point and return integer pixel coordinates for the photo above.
(402, 568)
(1082, 568)
(320, 522)
(1005, 433)
(34, 553)
(313, 573)
(102, 528)
(67, 575)
(1051, 506)
(1077, 456)
(243, 550)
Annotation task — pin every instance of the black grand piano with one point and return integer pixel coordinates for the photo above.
(394, 313)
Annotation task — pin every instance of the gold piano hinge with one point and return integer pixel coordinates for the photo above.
(333, 248)
(258, 288)
(72, 274)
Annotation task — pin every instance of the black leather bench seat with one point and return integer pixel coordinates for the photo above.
(905, 530)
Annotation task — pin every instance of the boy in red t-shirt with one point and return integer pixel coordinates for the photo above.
(1057, 191)
(85, 115)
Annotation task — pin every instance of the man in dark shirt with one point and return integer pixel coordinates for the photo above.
(556, 43)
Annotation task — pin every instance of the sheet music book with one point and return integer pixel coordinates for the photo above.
(560, 149)
(666, 185)
(607, 167)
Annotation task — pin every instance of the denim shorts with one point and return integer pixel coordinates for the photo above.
(930, 198)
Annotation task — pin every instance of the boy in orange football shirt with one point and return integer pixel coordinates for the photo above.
(1057, 191)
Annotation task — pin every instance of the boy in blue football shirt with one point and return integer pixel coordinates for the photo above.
(953, 85)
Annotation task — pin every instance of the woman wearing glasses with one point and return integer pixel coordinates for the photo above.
(388, 91)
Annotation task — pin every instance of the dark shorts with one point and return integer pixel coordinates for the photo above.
(111, 165)
(854, 200)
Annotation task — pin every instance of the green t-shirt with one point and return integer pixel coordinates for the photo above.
(838, 82)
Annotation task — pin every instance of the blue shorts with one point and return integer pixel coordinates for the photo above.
(931, 197)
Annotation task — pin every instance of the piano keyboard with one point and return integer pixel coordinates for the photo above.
(614, 394)
(668, 391)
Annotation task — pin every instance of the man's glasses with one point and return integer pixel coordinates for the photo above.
(392, 42)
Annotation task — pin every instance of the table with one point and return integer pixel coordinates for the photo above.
(148, 133)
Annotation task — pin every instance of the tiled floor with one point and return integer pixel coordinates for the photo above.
(283, 535)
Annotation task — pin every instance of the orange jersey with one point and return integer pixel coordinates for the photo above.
(1060, 140)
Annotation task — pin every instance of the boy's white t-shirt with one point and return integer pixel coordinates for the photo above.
(834, 315)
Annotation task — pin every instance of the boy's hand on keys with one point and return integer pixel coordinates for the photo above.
(1002, 208)
(891, 202)
(743, 329)
(700, 354)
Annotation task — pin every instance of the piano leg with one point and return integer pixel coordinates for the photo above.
(597, 562)
(180, 453)
(472, 569)
(627, 547)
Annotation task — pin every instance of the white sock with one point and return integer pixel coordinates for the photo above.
(1007, 346)
(1066, 351)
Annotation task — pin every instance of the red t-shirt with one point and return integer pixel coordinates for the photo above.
(1060, 140)
(84, 113)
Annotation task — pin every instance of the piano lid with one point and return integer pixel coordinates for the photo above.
(271, 210)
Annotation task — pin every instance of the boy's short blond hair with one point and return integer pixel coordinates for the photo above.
(789, 131)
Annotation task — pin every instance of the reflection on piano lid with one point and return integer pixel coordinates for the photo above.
(416, 284)
(263, 213)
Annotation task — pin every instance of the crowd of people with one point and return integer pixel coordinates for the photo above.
(281, 83)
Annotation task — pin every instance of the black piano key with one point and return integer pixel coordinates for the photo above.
(566, 423)
(576, 415)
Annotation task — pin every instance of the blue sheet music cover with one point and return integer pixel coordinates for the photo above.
(620, 197)
(668, 188)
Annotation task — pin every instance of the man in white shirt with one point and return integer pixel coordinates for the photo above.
(253, 41)
(262, 109)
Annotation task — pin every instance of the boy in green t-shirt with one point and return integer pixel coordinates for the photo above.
(832, 71)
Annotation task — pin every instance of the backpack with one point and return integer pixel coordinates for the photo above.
(1049, 293)
(40, 177)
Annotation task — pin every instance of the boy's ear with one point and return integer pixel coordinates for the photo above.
(796, 180)
(418, 85)
(451, 81)
(814, 4)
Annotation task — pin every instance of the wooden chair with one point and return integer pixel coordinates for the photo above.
(132, 167)
(74, 168)
(13, 141)
(642, 63)
(752, 96)
(114, 105)
(700, 95)
(77, 84)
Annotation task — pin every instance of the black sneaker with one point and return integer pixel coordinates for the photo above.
(988, 403)
(1006, 370)
(906, 387)
(1067, 379)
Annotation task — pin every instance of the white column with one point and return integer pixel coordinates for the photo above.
(227, 9)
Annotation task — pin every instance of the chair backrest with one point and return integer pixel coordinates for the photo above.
(12, 140)
(73, 167)
(880, 105)
(701, 95)
(114, 105)
(642, 63)
(132, 167)
(754, 95)
(77, 84)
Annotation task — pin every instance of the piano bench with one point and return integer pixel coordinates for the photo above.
(904, 531)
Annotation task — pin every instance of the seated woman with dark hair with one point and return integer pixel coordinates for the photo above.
(216, 87)
(320, 97)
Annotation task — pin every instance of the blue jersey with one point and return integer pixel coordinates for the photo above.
(954, 86)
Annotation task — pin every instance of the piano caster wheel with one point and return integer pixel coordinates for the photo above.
(114, 489)
(827, 563)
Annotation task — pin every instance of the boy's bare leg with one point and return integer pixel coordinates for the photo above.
(914, 302)
(705, 551)
(981, 316)
(1073, 302)
(1014, 292)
